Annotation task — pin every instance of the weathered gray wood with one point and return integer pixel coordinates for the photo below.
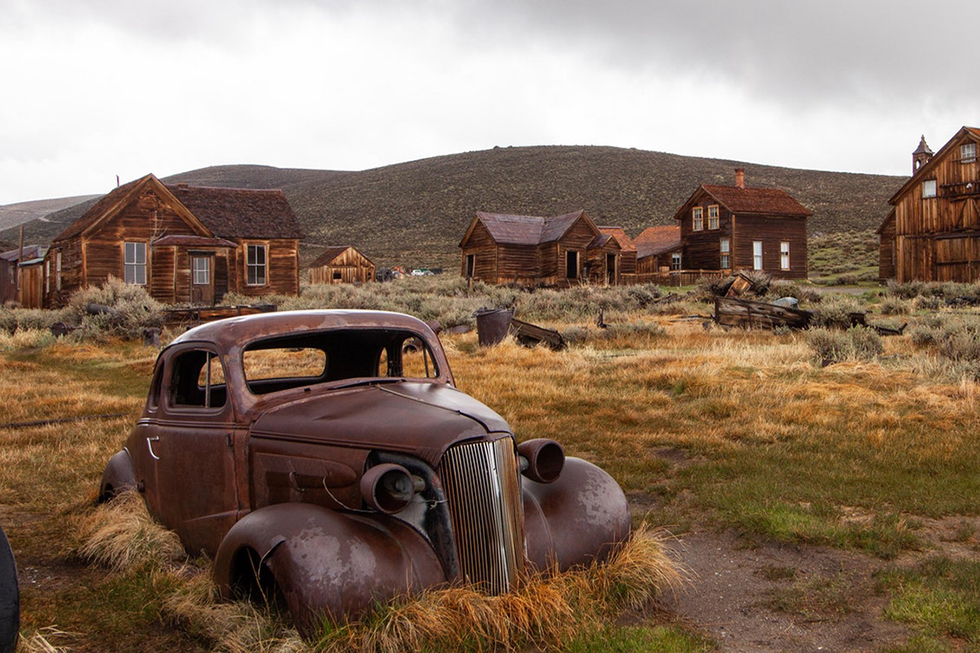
(730, 311)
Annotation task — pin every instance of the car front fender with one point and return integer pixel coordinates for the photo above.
(118, 476)
(326, 562)
(580, 517)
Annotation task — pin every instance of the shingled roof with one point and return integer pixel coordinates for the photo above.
(656, 240)
(527, 229)
(763, 201)
(332, 252)
(240, 212)
(226, 212)
(620, 235)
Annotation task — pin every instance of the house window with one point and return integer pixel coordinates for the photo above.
(47, 276)
(202, 270)
(338, 275)
(57, 270)
(255, 265)
(928, 188)
(756, 254)
(697, 219)
(968, 152)
(713, 216)
(470, 265)
(134, 263)
(784, 255)
(571, 265)
(726, 260)
(675, 261)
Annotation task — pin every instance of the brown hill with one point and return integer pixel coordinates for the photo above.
(415, 213)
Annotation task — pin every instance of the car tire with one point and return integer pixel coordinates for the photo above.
(9, 597)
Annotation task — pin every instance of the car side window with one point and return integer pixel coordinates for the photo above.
(197, 379)
(408, 358)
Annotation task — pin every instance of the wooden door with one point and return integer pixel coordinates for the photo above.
(202, 279)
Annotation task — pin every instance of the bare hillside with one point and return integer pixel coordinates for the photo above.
(415, 213)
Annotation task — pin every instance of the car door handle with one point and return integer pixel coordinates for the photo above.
(149, 445)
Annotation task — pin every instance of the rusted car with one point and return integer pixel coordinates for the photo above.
(325, 458)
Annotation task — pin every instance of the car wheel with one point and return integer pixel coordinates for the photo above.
(9, 598)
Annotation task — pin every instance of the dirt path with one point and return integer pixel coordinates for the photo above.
(781, 598)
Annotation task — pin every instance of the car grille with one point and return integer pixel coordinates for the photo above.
(483, 490)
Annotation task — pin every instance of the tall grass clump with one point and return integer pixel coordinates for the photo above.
(132, 310)
(835, 311)
(121, 535)
(854, 344)
(543, 612)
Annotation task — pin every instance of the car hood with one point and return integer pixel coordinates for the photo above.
(420, 419)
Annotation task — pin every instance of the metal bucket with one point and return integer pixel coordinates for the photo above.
(492, 325)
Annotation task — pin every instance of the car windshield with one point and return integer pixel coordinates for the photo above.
(299, 360)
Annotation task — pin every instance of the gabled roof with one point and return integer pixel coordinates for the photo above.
(527, 229)
(657, 240)
(604, 240)
(965, 133)
(758, 201)
(331, 253)
(240, 212)
(210, 212)
(620, 235)
(118, 199)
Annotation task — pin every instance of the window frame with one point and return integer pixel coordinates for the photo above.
(675, 261)
(784, 255)
(968, 152)
(697, 219)
(195, 279)
(251, 266)
(929, 189)
(470, 266)
(57, 269)
(714, 220)
(758, 261)
(135, 265)
(725, 254)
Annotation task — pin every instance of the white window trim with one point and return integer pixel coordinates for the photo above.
(206, 270)
(138, 268)
(57, 266)
(675, 261)
(757, 260)
(929, 188)
(725, 249)
(713, 217)
(697, 219)
(264, 266)
(784, 255)
(968, 153)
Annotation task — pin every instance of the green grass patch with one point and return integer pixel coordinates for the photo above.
(640, 639)
(941, 596)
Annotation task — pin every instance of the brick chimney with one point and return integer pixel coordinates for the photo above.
(739, 177)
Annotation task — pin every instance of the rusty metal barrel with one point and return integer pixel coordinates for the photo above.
(492, 325)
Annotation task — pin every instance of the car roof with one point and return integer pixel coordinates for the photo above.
(234, 331)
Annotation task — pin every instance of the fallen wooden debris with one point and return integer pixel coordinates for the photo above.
(730, 311)
(530, 335)
(199, 314)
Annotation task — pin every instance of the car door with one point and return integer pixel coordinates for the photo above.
(193, 450)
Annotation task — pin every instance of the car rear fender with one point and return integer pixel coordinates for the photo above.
(325, 562)
(580, 517)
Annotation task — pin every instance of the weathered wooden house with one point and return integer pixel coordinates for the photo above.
(730, 228)
(342, 264)
(658, 250)
(932, 232)
(627, 260)
(12, 263)
(560, 251)
(185, 244)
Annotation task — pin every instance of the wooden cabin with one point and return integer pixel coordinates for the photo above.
(185, 244)
(627, 261)
(558, 251)
(342, 264)
(933, 231)
(10, 271)
(730, 228)
(658, 251)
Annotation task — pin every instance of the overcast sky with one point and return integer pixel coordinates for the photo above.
(92, 89)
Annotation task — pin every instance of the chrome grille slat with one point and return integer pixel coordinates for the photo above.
(482, 487)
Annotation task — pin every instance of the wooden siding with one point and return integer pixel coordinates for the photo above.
(936, 238)
(702, 249)
(282, 268)
(481, 245)
(772, 232)
(31, 291)
(577, 239)
(350, 266)
(886, 250)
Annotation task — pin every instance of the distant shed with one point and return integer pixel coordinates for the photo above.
(9, 262)
(343, 264)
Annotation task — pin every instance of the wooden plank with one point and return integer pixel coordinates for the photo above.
(730, 311)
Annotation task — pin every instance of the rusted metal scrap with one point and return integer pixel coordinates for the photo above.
(317, 458)
(731, 311)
